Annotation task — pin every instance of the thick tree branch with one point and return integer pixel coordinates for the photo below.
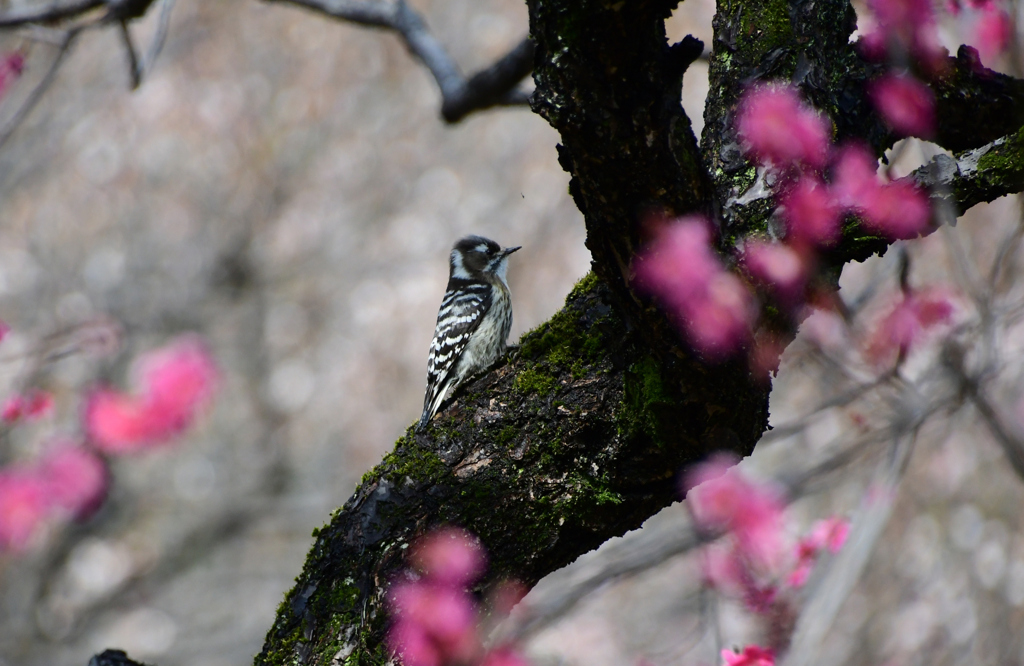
(974, 105)
(113, 658)
(976, 176)
(572, 441)
(460, 96)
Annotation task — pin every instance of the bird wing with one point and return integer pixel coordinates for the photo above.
(462, 310)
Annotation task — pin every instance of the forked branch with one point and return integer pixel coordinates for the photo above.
(495, 85)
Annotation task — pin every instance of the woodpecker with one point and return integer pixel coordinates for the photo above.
(473, 322)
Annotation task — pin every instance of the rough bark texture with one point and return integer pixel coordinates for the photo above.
(544, 457)
(580, 434)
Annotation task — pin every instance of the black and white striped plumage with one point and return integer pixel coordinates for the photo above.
(473, 322)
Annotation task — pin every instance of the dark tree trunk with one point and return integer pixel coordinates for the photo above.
(581, 434)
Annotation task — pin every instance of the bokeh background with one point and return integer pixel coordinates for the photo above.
(282, 184)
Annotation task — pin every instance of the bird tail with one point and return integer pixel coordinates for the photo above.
(432, 401)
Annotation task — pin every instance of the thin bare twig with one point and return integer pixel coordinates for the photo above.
(633, 555)
(641, 551)
(51, 14)
(134, 68)
(51, 74)
(840, 400)
(1013, 447)
(1005, 259)
(492, 86)
(162, 26)
(836, 581)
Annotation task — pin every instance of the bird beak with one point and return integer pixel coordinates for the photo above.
(509, 250)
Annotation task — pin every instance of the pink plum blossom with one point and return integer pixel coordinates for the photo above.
(904, 28)
(778, 128)
(412, 643)
(908, 321)
(827, 534)
(721, 498)
(854, 176)
(450, 556)
(811, 215)
(433, 621)
(4, 330)
(954, 7)
(434, 618)
(752, 655)
(504, 656)
(722, 569)
(725, 568)
(24, 503)
(906, 104)
(76, 479)
(896, 210)
(992, 32)
(177, 382)
(11, 66)
(32, 405)
(779, 266)
(714, 307)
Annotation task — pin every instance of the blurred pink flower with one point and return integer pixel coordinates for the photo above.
(752, 655)
(24, 504)
(906, 104)
(801, 572)
(505, 596)
(680, 262)
(904, 28)
(505, 656)
(413, 645)
(825, 328)
(854, 176)
(11, 66)
(725, 568)
(811, 215)
(4, 330)
(719, 320)
(828, 534)
(750, 511)
(776, 265)
(714, 307)
(954, 7)
(913, 315)
(76, 479)
(991, 33)
(450, 556)
(778, 128)
(177, 382)
(722, 569)
(896, 210)
(13, 408)
(432, 619)
(32, 405)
